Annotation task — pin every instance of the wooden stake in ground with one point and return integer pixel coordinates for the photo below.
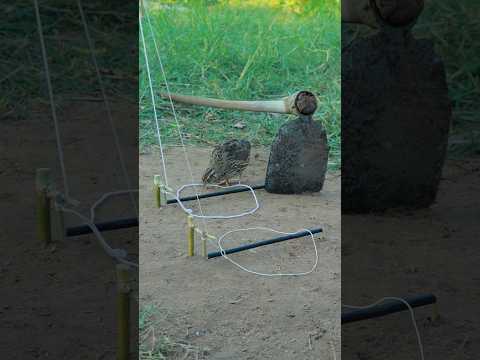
(190, 236)
(160, 197)
(43, 182)
(58, 222)
(123, 312)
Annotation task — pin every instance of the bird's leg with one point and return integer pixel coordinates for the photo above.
(223, 182)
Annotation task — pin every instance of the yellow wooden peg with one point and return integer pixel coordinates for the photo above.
(160, 191)
(190, 236)
(436, 312)
(157, 190)
(204, 245)
(123, 312)
(57, 219)
(42, 184)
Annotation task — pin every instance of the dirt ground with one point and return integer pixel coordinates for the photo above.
(221, 312)
(59, 302)
(433, 250)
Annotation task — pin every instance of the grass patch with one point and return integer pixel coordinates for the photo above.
(151, 346)
(155, 346)
(455, 28)
(23, 84)
(247, 52)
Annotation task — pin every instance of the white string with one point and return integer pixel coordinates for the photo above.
(189, 167)
(52, 100)
(107, 103)
(117, 254)
(222, 251)
(202, 216)
(153, 102)
(187, 161)
(105, 197)
(410, 309)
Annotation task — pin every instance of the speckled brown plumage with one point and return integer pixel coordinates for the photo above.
(227, 162)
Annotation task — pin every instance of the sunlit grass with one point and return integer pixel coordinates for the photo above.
(241, 53)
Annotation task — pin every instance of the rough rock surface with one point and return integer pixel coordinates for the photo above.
(298, 158)
(395, 123)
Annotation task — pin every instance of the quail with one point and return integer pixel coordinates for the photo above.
(227, 162)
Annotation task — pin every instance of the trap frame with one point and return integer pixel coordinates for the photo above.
(388, 307)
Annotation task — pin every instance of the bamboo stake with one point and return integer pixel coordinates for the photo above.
(204, 246)
(157, 190)
(190, 236)
(123, 312)
(300, 103)
(57, 217)
(435, 312)
(42, 184)
(58, 223)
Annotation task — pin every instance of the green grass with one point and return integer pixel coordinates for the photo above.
(455, 28)
(156, 346)
(241, 53)
(152, 347)
(22, 79)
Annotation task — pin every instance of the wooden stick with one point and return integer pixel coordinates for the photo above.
(190, 236)
(435, 312)
(157, 190)
(42, 184)
(300, 103)
(141, 9)
(57, 218)
(204, 246)
(123, 312)
(58, 223)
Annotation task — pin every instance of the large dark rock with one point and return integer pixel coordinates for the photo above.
(395, 123)
(298, 158)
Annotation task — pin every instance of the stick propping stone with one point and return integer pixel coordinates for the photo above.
(300, 103)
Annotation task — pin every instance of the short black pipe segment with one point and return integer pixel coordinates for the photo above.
(387, 307)
(263, 243)
(217, 193)
(103, 226)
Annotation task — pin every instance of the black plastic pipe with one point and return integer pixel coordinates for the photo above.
(217, 193)
(263, 243)
(387, 307)
(127, 223)
(103, 226)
